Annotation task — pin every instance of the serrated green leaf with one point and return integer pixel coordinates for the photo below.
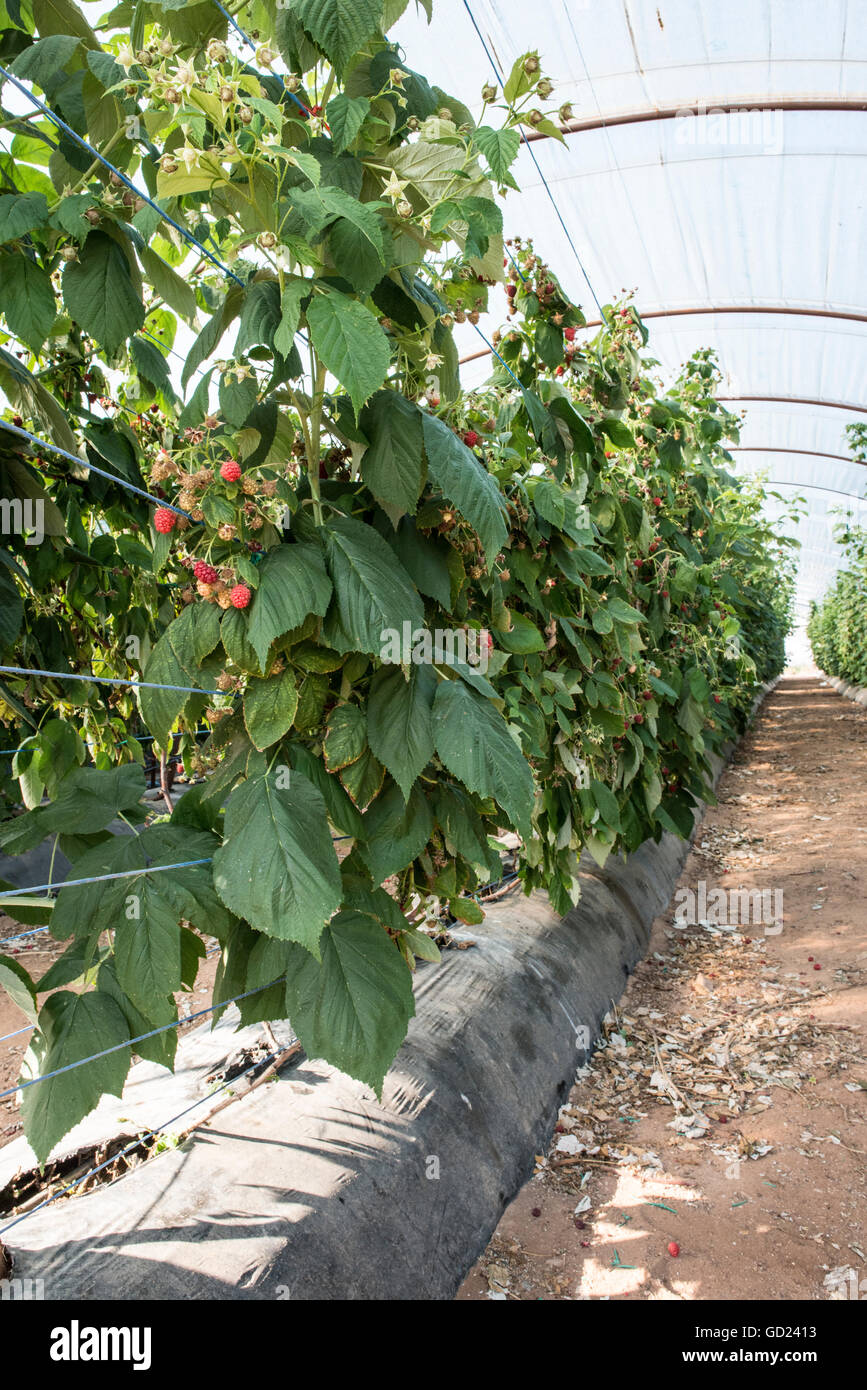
(99, 294)
(293, 584)
(466, 484)
(373, 591)
(20, 213)
(346, 116)
(474, 743)
(393, 466)
(339, 27)
(269, 708)
(499, 148)
(351, 343)
(352, 1008)
(399, 722)
(71, 1028)
(26, 299)
(277, 866)
(345, 736)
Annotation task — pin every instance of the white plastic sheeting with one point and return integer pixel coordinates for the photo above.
(718, 204)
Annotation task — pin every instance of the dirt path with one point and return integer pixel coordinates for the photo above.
(726, 1112)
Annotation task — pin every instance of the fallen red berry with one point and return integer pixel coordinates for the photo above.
(206, 573)
(673, 1249)
(230, 471)
(817, 967)
(537, 1211)
(164, 520)
(240, 596)
(811, 959)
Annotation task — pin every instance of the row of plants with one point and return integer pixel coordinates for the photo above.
(837, 625)
(415, 619)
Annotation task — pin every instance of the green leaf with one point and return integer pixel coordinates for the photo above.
(293, 585)
(26, 299)
(363, 779)
(89, 798)
(606, 801)
(237, 398)
(99, 294)
(396, 830)
(393, 466)
(352, 1008)
(474, 743)
(624, 612)
(499, 148)
(161, 707)
(11, 611)
(341, 811)
(147, 939)
(269, 708)
(350, 341)
(345, 737)
(43, 61)
(20, 213)
(260, 317)
(346, 116)
(150, 364)
(161, 1012)
(619, 434)
(466, 484)
(72, 1027)
(339, 27)
(169, 285)
(277, 866)
(354, 257)
(373, 591)
(425, 559)
(399, 722)
(294, 292)
(522, 638)
(19, 986)
(81, 910)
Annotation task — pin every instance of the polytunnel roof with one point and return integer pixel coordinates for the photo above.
(716, 163)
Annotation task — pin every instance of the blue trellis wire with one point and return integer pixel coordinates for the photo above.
(106, 680)
(532, 155)
(83, 463)
(142, 1037)
(263, 1063)
(102, 878)
(73, 135)
(18, 1031)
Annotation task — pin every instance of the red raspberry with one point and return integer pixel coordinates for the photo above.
(717, 699)
(240, 596)
(569, 334)
(230, 471)
(204, 572)
(559, 371)
(164, 520)
(657, 501)
(673, 1249)
(471, 439)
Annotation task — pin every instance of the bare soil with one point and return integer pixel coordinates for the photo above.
(716, 1145)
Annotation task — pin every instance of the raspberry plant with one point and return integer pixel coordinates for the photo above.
(324, 481)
